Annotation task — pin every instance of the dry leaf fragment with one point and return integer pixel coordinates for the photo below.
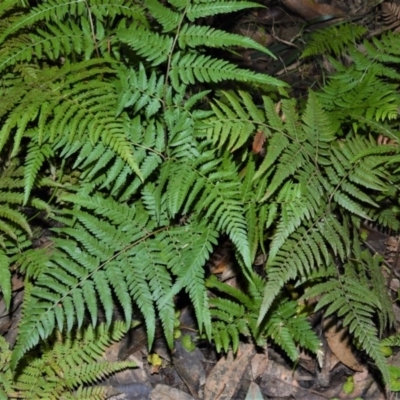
(339, 342)
(278, 381)
(224, 378)
(258, 142)
(310, 9)
(259, 363)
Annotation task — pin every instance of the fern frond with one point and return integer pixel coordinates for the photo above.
(140, 91)
(10, 217)
(296, 208)
(334, 39)
(358, 305)
(361, 93)
(232, 123)
(219, 197)
(392, 341)
(44, 11)
(287, 329)
(232, 318)
(5, 283)
(318, 126)
(34, 161)
(167, 18)
(77, 357)
(86, 109)
(386, 218)
(385, 50)
(102, 168)
(195, 35)
(153, 47)
(304, 250)
(76, 277)
(189, 68)
(199, 10)
(189, 256)
(117, 254)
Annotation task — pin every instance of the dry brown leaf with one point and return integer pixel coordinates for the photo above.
(310, 9)
(226, 375)
(165, 392)
(278, 381)
(259, 363)
(339, 342)
(258, 142)
(391, 14)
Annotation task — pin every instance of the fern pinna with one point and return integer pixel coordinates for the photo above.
(109, 113)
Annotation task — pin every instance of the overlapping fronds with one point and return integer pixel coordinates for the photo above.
(237, 315)
(110, 117)
(215, 194)
(125, 255)
(334, 39)
(358, 295)
(77, 357)
(305, 189)
(366, 90)
(15, 230)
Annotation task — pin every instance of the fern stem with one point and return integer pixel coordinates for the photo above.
(92, 29)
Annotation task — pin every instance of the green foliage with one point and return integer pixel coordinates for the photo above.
(364, 92)
(64, 366)
(394, 378)
(358, 295)
(237, 314)
(15, 229)
(112, 124)
(334, 39)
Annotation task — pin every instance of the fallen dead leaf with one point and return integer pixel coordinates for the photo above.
(339, 342)
(224, 378)
(278, 381)
(165, 392)
(259, 363)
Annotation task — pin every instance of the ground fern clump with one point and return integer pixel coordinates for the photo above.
(114, 125)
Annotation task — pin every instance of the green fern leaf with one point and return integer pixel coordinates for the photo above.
(167, 18)
(195, 11)
(286, 328)
(196, 35)
(34, 160)
(150, 45)
(5, 284)
(14, 217)
(190, 254)
(190, 68)
(333, 39)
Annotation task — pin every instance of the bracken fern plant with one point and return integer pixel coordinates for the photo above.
(113, 124)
